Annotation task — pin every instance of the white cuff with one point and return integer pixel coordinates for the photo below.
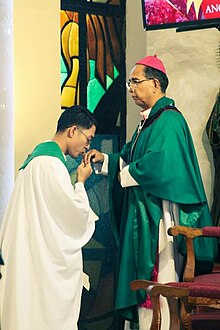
(102, 168)
(126, 179)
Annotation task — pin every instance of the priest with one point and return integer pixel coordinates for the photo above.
(46, 224)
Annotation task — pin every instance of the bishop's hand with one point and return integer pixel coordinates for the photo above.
(93, 156)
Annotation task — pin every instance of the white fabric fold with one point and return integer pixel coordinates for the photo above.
(47, 223)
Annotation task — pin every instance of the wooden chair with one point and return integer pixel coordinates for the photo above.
(194, 291)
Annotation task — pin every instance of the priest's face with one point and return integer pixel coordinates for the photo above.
(141, 88)
(80, 141)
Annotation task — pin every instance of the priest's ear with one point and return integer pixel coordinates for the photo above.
(72, 130)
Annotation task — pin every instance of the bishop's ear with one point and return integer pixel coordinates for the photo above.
(156, 83)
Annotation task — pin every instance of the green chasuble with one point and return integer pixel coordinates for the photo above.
(164, 164)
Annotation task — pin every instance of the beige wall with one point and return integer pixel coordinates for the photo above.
(191, 62)
(36, 73)
(190, 58)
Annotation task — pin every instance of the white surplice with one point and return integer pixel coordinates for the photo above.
(46, 224)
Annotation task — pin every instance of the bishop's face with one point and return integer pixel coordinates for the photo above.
(141, 88)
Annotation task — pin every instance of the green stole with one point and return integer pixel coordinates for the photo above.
(49, 148)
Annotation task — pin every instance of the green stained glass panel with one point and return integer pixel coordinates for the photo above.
(63, 69)
(95, 92)
(116, 73)
(92, 69)
(109, 81)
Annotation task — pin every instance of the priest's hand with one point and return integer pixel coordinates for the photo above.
(83, 172)
(93, 156)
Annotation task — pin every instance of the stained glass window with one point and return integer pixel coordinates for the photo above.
(93, 74)
(69, 58)
(92, 61)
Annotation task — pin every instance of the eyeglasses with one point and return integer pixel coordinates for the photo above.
(134, 83)
(89, 139)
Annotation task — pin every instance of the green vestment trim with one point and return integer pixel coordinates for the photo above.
(164, 164)
(49, 148)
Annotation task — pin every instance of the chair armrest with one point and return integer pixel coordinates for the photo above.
(209, 231)
(170, 292)
(186, 231)
(141, 284)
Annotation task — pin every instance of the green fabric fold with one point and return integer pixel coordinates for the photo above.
(164, 164)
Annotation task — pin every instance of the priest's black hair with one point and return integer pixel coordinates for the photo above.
(77, 115)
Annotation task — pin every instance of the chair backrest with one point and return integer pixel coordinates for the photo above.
(190, 234)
